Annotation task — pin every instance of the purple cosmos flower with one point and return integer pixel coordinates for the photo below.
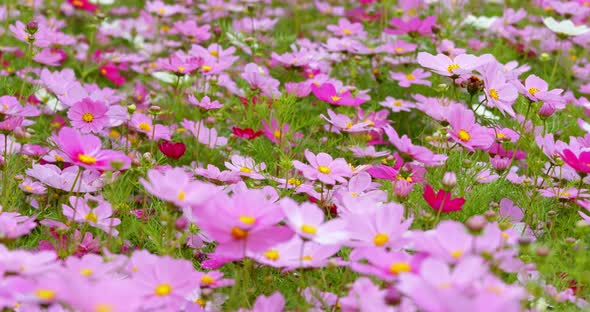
(95, 211)
(417, 76)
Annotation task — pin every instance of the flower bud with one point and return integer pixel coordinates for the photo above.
(181, 223)
(476, 223)
(545, 57)
(131, 108)
(402, 188)
(449, 179)
(490, 215)
(546, 110)
(32, 27)
(542, 251)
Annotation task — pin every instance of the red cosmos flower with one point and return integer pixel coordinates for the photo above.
(84, 5)
(172, 150)
(247, 133)
(442, 201)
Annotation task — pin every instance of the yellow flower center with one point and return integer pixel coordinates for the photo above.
(162, 11)
(103, 307)
(533, 90)
(86, 159)
(114, 134)
(354, 194)
(91, 217)
(180, 69)
(207, 280)
(181, 195)
(294, 181)
(200, 302)
(248, 220)
(464, 136)
(380, 239)
(324, 169)
(505, 236)
(88, 117)
(500, 135)
(28, 188)
(45, 294)
(397, 103)
(346, 31)
(277, 134)
(399, 267)
(564, 194)
(206, 68)
(457, 254)
(163, 290)
(86, 272)
(308, 229)
(494, 94)
(399, 50)
(245, 170)
(410, 77)
(451, 68)
(272, 255)
(306, 258)
(145, 126)
(214, 53)
(238, 233)
(335, 98)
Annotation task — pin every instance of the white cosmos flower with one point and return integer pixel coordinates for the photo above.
(565, 27)
(103, 2)
(481, 22)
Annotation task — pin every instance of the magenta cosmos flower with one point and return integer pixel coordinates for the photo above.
(327, 93)
(580, 161)
(324, 168)
(88, 115)
(442, 200)
(86, 151)
(414, 26)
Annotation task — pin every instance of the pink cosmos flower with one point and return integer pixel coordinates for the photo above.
(176, 186)
(32, 187)
(245, 222)
(88, 115)
(380, 227)
(204, 103)
(417, 76)
(93, 210)
(327, 93)
(246, 166)
(414, 26)
(143, 124)
(324, 168)
(14, 225)
(364, 295)
(259, 79)
(386, 265)
(275, 132)
(499, 93)
(537, 89)
(341, 122)
(86, 151)
(466, 132)
(179, 63)
(204, 135)
(307, 220)
(419, 153)
(163, 283)
(53, 176)
(442, 201)
(346, 28)
(397, 105)
(453, 67)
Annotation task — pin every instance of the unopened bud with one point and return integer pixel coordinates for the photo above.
(18, 177)
(131, 108)
(542, 251)
(154, 109)
(490, 215)
(570, 240)
(32, 27)
(545, 57)
(449, 179)
(476, 223)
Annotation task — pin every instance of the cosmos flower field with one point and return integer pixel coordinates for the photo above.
(258, 155)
